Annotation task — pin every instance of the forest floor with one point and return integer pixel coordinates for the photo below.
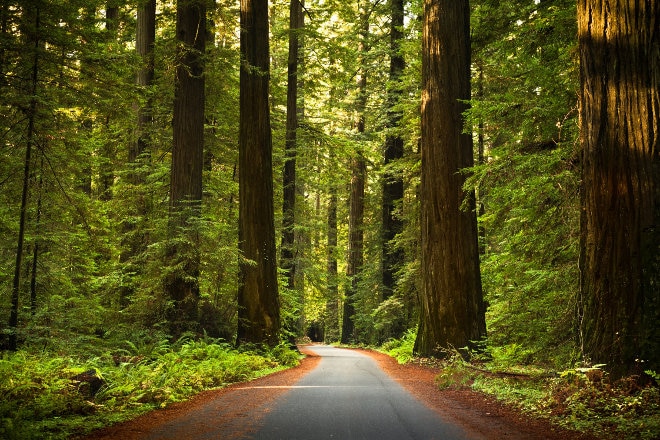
(479, 414)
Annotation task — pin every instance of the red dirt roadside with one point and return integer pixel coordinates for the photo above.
(241, 409)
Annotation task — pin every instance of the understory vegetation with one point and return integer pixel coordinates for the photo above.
(57, 393)
(580, 399)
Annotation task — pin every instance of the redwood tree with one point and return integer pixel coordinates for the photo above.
(258, 300)
(620, 127)
(392, 257)
(289, 173)
(182, 283)
(357, 191)
(452, 304)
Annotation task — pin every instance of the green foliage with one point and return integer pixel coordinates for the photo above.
(581, 399)
(401, 349)
(527, 182)
(586, 399)
(43, 399)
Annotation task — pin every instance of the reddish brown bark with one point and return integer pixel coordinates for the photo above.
(452, 305)
(619, 113)
(258, 300)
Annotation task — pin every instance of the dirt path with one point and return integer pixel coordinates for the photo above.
(242, 409)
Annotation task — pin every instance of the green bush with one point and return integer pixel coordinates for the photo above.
(41, 399)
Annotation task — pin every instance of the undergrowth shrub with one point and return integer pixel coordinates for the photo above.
(583, 399)
(586, 399)
(41, 399)
(401, 349)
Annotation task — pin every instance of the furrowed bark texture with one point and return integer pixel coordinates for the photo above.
(258, 300)
(452, 304)
(619, 114)
(187, 164)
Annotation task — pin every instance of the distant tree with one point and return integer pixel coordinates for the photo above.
(133, 238)
(357, 191)
(258, 300)
(289, 173)
(620, 235)
(524, 111)
(31, 29)
(144, 44)
(332, 333)
(182, 284)
(392, 257)
(452, 305)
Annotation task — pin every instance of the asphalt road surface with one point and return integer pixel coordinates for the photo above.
(348, 397)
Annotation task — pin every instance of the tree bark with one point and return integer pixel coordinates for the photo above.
(453, 312)
(133, 237)
(289, 173)
(35, 251)
(33, 42)
(619, 45)
(258, 300)
(187, 164)
(332, 333)
(358, 178)
(392, 257)
(144, 45)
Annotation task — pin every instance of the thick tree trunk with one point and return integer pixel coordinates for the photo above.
(392, 257)
(258, 300)
(452, 305)
(620, 126)
(187, 164)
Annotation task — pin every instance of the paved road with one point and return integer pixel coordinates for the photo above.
(348, 397)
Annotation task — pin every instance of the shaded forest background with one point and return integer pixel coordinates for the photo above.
(87, 255)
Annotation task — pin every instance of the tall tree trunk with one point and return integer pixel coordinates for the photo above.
(289, 174)
(481, 160)
(452, 305)
(182, 286)
(331, 333)
(34, 42)
(4, 34)
(134, 239)
(619, 45)
(145, 41)
(358, 178)
(35, 251)
(355, 246)
(392, 256)
(108, 150)
(258, 300)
